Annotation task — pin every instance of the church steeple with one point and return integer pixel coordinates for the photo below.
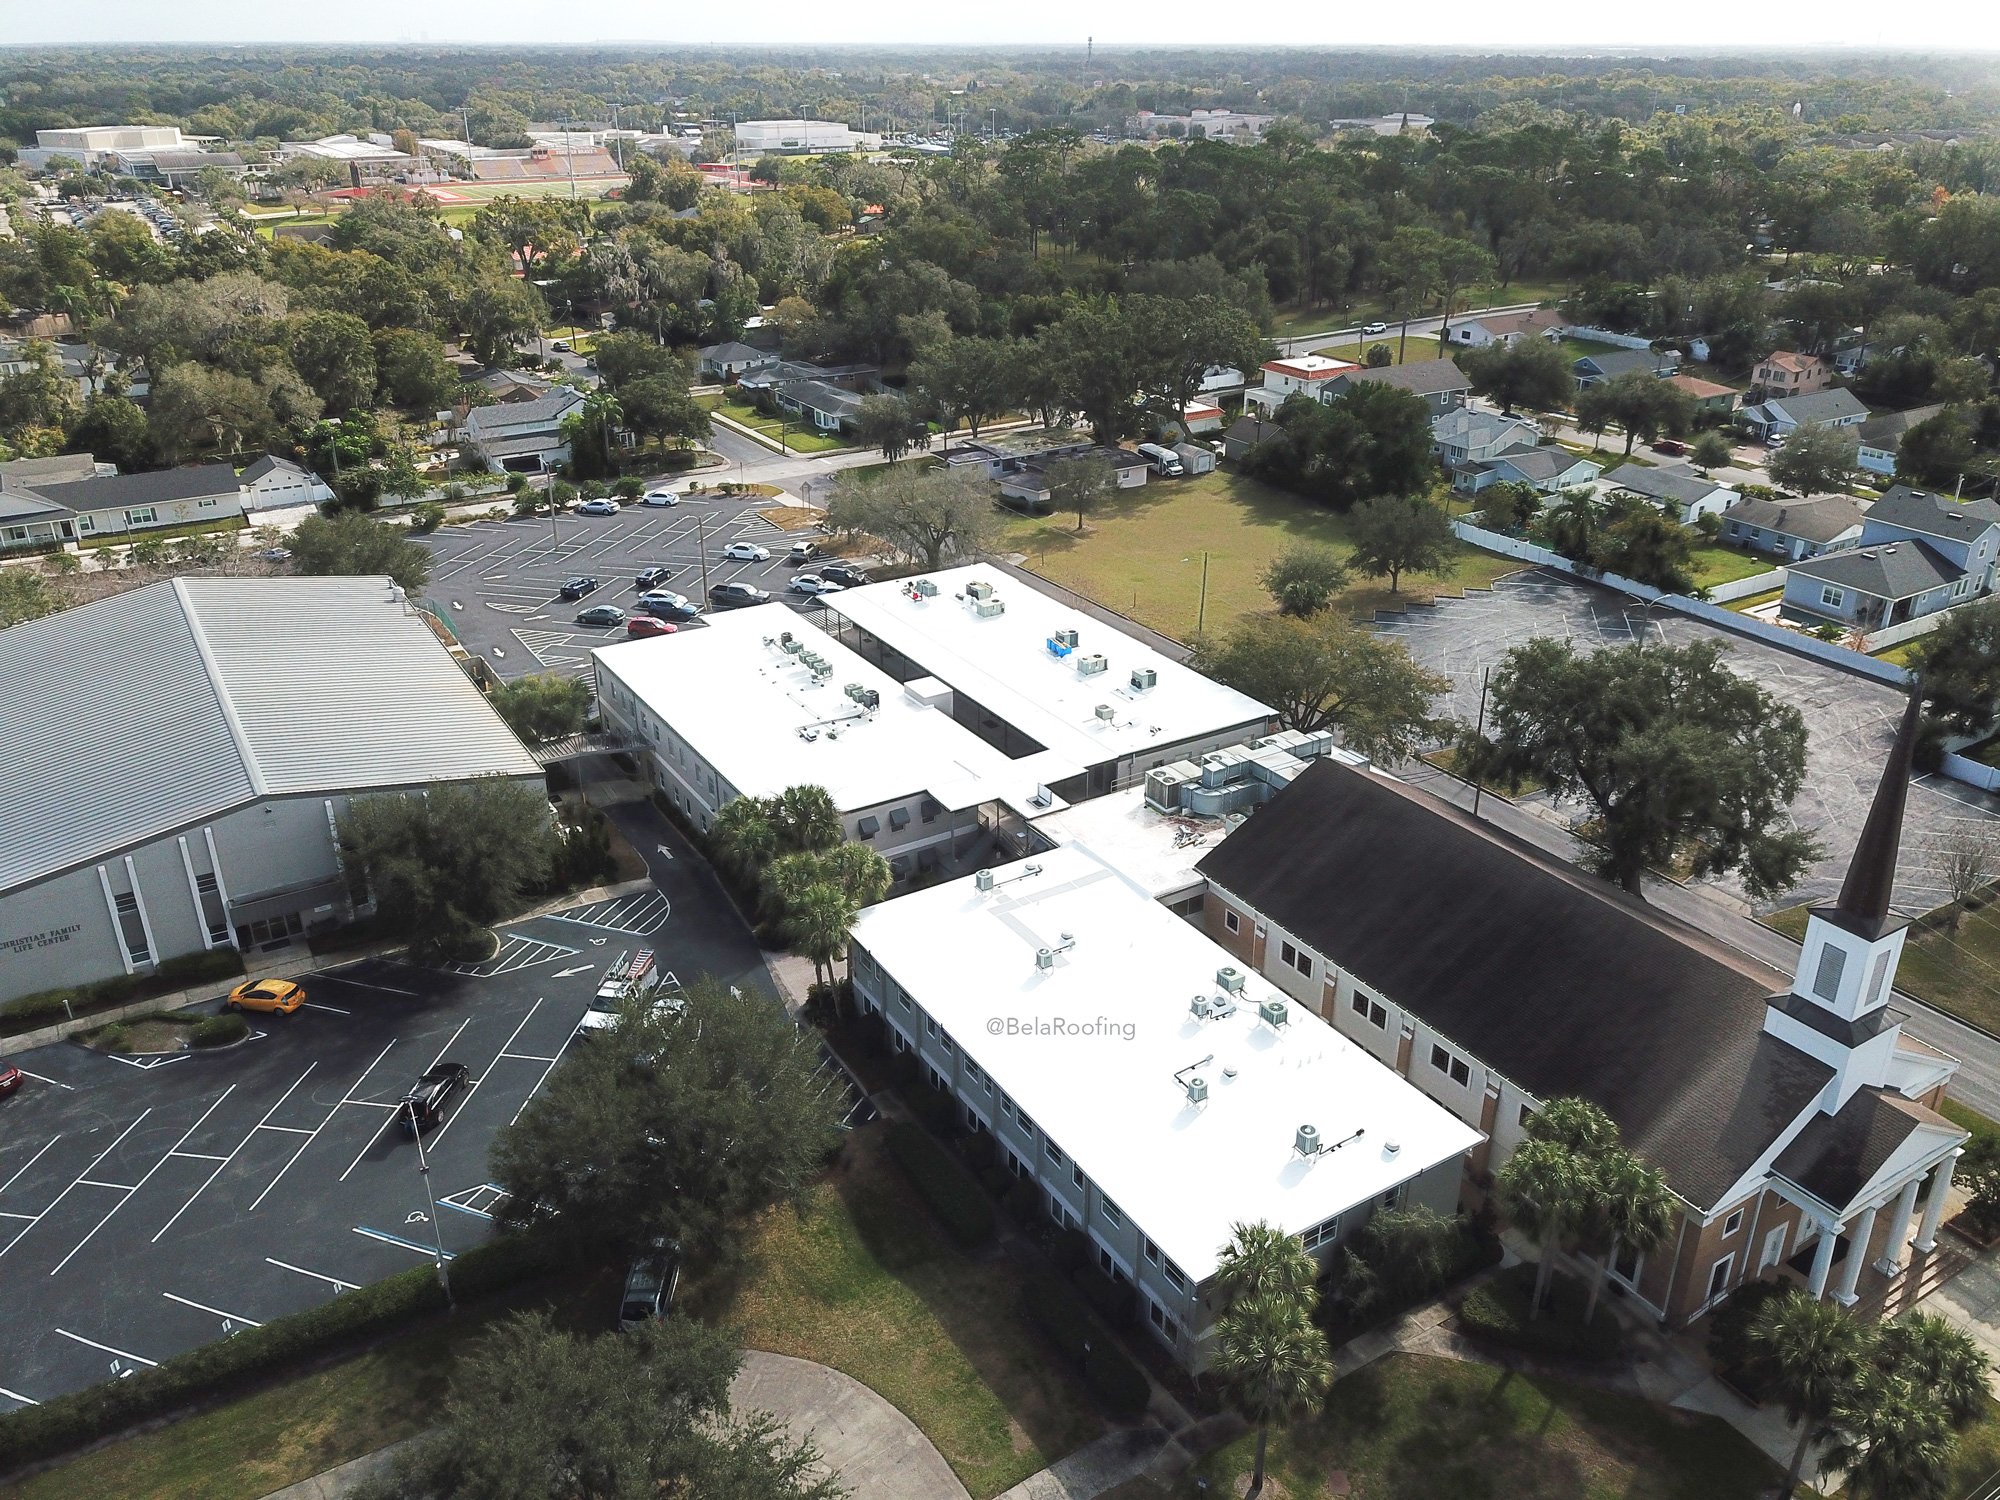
(1863, 908)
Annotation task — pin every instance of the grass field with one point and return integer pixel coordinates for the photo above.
(1715, 563)
(1422, 346)
(1141, 553)
(1414, 1427)
(795, 438)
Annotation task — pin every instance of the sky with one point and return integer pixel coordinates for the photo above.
(1932, 25)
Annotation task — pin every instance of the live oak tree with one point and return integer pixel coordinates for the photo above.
(1529, 372)
(542, 705)
(1816, 459)
(1372, 439)
(926, 515)
(1958, 668)
(675, 1123)
(1641, 403)
(1080, 484)
(1679, 760)
(1398, 534)
(541, 1413)
(351, 545)
(1326, 673)
(887, 423)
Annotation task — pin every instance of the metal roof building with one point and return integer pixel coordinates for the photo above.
(172, 760)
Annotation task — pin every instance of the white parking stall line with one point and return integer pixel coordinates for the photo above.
(478, 1201)
(56, 1081)
(314, 1134)
(528, 1057)
(30, 1162)
(315, 1005)
(400, 1243)
(17, 1396)
(146, 1179)
(394, 1111)
(640, 914)
(204, 1307)
(337, 1283)
(249, 1136)
(79, 1178)
(108, 1349)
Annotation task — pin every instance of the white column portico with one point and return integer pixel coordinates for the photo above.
(1895, 1253)
(1823, 1259)
(1934, 1204)
(1857, 1253)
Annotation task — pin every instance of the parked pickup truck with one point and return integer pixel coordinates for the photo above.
(629, 975)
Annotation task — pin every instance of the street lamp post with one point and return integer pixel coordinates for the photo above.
(701, 542)
(430, 1197)
(549, 494)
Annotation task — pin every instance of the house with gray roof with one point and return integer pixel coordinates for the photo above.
(85, 508)
(522, 435)
(1882, 437)
(1779, 419)
(1439, 381)
(1546, 469)
(1464, 435)
(1795, 529)
(1869, 588)
(1967, 532)
(1595, 369)
(173, 760)
(732, 360)
(1677, 487)
(828, 407)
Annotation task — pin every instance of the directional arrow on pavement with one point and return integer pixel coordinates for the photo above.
(579, 969)
(665, 850)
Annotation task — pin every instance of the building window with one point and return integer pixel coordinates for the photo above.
(1377, 1016)
(931, 1026)
(205, 505)
(1232, 922)
(1322, 1233)
(142, 515)
(1832, 963)
(1175, 1277)
(1456, 1068)
(1152, 1253)
(1831, 597)
(1359, 1003)
(1733, 1223)
(1053, 1152)
(1112, 1214)
(1718, 1277)
(1292, 958)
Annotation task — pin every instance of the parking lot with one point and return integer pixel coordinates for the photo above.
(148, 1205)
(497, 582)
(1850, 720)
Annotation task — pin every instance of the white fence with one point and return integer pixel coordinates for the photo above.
(1743, 588)
(1908, 630)
(1971, 772)
(1606, 336)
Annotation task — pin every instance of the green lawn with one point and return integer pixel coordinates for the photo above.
(1575, 349)
(1415, 1427)
(1951, 969)
(1422, 346)
(862, 1279)
(1757, 601)
(1715, 563)
(795, 437)
(1899, 656)
(1141, 553)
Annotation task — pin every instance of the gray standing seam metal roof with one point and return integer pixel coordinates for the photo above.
(158, 708)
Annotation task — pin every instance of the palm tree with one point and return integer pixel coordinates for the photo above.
(1570, 525)
(1812, 1353)
(744, 837)
(1938, 1359)
(817, 922)
(859, 871)
(1545, 1189)
(1262, 1260)
(807, 819)
(1634, 1206)
(1272, 1361)
(1891, 1440)
(1574, 1124)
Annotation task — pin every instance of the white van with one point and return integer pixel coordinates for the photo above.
(1164, 461)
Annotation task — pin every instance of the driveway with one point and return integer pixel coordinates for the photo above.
(867, 1443)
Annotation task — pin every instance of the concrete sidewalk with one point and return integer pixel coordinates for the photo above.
(864, 1440)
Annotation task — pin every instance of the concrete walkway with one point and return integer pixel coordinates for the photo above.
(339, 1481)
(866, 1442)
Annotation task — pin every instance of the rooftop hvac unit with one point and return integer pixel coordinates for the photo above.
(1221, 1008)
(855, 691)
(1143, 678)
(869, 698)
(1306, 1143)
(1106, 712)
(988, 607)
(1162, 789)
(979, 588)
(1045, 959)
(785, 638)
(1197, 1091)
(1042, 797)
(983, 880)
(1057, 647)
(1066, 638)
(1200, 1006)
(1274, 1013)
(822, 669)
(792, 647)
(922, 588)
(1229, 981)
(1090, 665)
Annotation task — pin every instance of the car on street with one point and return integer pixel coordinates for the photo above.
(846, 576)
(576, 588)
(276, 554)
(1374, 328)
(736, 595)
(801, 552)
(652, 578)
(559, 346)
(10, 1079)
(659, 497)
(424, 1105)
(271, 997)
(666, 605)
(812, 583)
(598, 508)
(649, 1287)
(1670, 447)
(639, 626)
(602, 615)
(746, 552)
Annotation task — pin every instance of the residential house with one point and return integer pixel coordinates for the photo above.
(1201, 416)
(1965, 531)
(1028, 483)
(1709, 398)
(1777, 420)
(75, 507)
(727, 362)
(1002, 453)
(1245, 433)
(1677, 487)
(1882, 437)
(826, 406)
(525, 436)
(1547, 469)
(1869, 587)
(1795, 529)
(1439, 381)
(1463, 435)
(1787, 374)
(1609, 364)
(759, 379)
(1302, 374)
(1794, 1122)
(1507, 328)
(278, 484)
(506, 387)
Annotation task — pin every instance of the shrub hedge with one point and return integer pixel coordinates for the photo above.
(218, 1031)
(951, 1191)
(1498, 1312)
(228, 1366)
(47, 1006)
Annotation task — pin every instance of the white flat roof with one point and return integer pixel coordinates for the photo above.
(1091, 1047)
(741, 701)
(1310, 366)
(1146, 846)
(1005, 664)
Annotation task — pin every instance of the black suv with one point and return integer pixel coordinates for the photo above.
(649, 1287)
(652, 578)
(736, 595)
(425, 1103)
(576, 588)
(842, 574)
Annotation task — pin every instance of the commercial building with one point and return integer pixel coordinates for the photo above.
(173, 760)
(1155, 1093)
(1032, 674)
(785, 137)
(367, 159)
(1793, 1119)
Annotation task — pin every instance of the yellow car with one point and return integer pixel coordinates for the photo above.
(272, 996)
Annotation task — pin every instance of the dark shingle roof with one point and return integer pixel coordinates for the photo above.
(1615, 362)
(1562, 984)
(1886, 431)
(1935, 515)
(1251, 430)
(1888, 570)
(1424, 377)
(1817, 407)
(1836, 1155)
(1681, 485)
(1818, 518)
(161, 487)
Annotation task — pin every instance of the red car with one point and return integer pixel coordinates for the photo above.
(644, 625)
(10, 1079)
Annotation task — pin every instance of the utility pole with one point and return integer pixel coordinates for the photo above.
(1201, 613)
(1485, 678)
(549, 493)
(701, 542)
